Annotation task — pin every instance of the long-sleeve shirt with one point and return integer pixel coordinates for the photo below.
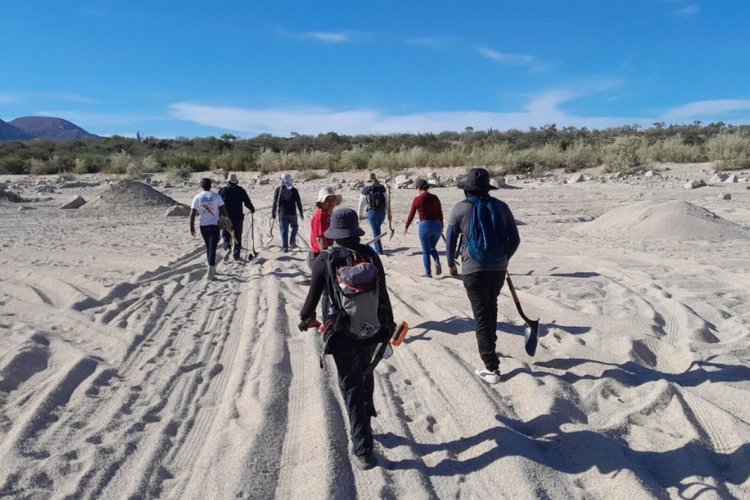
(458, 223)
(428, 206)
(286, 201)
(235, 197)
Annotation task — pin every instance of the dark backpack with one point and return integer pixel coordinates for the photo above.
(376, 198)
(354, 293)
(486, 236)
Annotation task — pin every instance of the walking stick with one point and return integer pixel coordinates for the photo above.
(531, 332)
(390, 216)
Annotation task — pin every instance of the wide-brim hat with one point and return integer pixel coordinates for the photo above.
(477, 180)
(344, 224)
(327, 192)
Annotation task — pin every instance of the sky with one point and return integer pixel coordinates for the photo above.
(189, 68)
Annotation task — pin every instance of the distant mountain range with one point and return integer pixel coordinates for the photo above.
(42, 127)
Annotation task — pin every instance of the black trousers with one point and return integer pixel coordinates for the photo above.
(483, 289)
(237, 228)
(211, 239)
(352, 357)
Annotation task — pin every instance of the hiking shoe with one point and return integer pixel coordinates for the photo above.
(292, 245)
(365, 461)
(226, 256)
(491, 377)
(425, 275)
(284, 250)
(211, 274)
(438, 269)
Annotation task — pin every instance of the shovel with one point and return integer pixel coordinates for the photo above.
(531, 332)
(390, 217)
(278, 208)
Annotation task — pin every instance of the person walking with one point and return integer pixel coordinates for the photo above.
(320, 222)
(353, 354)
(209, 207)
(491, 235)
(286, 201)
(430, 225)
(235, 197)
(373, 205)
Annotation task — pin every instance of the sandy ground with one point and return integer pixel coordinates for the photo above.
(125, 374)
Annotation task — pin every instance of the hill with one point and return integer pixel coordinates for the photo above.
(47, 127)
(10, 133)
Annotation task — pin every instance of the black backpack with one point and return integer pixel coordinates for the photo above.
(376, 198)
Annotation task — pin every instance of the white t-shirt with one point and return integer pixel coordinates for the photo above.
(207, 204)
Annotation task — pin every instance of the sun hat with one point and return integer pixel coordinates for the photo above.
(286, 179)
(232, 178)
(325, 193)
(477, 180)
(422, 184)
(344, 224)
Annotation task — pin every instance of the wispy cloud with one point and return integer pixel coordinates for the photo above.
(429, 41)
(44, 96)
(327, 37)
(708, 109)
(688, 10)
(509, 59)
(539, 110)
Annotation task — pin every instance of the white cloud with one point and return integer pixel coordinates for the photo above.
(540, 110)
(327, 37)
(524, 60)
(707, 109)
(688, 10)
(429, 41)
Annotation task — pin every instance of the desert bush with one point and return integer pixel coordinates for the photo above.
(581, 155)
(151, 165)
(312, 175)
(729, 151)
(67, 176)
(43, 167)
(118, 163)
(380, 160)
(235, 160)
(13, 165)
(493, 154)
(179, 174)
(353, 159)
(625, 154)
(674, 149)
(452, 157)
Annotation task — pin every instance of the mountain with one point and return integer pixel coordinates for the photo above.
(10, 133)
(54, 129)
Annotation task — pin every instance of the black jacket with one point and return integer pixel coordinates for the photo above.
(287, 202)
(234, 197)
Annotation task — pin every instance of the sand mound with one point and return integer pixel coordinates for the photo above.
(128, 193)
(673, 220)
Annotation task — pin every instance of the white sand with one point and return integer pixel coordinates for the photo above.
(124, 374)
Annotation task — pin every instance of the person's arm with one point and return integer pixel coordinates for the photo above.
(440, 212)
(193, 213)
(413, 210)
(513, 238)
(298, 202)
(223, 208)
(451, 239)
(317, 285)
(362, 211)
(247, 202)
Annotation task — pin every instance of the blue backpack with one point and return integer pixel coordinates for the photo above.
(487, 236)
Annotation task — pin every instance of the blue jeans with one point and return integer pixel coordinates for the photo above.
(211, 239)
(376, 218)
(429, 234)
(286, 222)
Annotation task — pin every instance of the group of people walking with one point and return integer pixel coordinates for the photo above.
(348, 278)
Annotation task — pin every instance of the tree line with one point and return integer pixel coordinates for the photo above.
(535, 151)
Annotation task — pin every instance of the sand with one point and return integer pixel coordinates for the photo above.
(125, 374)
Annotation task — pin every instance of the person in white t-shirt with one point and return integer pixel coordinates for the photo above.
(209, 207)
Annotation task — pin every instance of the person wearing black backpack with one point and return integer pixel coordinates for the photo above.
(354, 325)
(491, 239)
(373, 205)
(235, 197)
(286, 200)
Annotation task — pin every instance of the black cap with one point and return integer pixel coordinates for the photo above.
(422, 184)
(477, 180)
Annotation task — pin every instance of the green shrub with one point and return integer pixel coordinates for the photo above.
(729, 151)
(118, 163)
(179, 174)
(14, 165)
(625, 154)
(43, 167)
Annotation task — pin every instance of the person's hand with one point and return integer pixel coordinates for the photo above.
(192, 231)
(453, 270)
(406, 229)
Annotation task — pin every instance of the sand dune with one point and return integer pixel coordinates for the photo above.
(124, 374)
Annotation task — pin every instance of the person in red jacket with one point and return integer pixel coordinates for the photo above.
(430, 225)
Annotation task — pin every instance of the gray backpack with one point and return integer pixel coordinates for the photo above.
(354, 286)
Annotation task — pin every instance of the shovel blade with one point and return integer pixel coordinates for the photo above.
(531, 334)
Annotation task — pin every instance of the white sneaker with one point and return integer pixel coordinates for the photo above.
(488, 376)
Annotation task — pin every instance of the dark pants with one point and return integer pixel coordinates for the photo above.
(483, 289)
(311, 256)
(211, 238)
(288, 224)
(352, 357)
(237, 228)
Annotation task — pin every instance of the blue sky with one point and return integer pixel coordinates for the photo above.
(199, 68)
